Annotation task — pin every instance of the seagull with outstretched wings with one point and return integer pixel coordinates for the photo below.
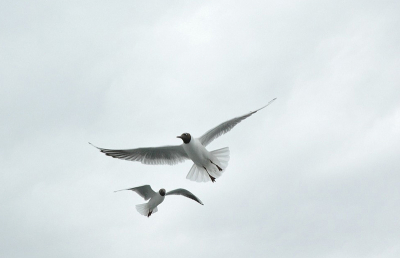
(208, 165)
(156, 198)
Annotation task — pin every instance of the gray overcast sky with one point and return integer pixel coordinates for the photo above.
(316, 174)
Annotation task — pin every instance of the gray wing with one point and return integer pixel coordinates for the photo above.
(225, 127)
(185, 193)
(144, 191)
(170, 155)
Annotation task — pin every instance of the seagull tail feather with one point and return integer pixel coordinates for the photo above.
(144, 209)
(198, 174)
(223, 156)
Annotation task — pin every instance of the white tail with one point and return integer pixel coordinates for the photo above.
(199, 174)
(144, 209)
(223, 156)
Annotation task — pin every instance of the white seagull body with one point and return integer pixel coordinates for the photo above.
(156, 198)
(207, 166)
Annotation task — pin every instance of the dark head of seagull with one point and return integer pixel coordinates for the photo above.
(185, 137)
(162, 192)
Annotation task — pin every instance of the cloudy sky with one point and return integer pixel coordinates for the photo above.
(316, 174)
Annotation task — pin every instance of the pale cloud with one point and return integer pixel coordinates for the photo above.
(313, 175)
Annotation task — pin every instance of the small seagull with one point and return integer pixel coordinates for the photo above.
(208, 165)
(145, 191)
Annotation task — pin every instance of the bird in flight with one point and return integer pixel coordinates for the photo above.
(208, 165)
(156, 198)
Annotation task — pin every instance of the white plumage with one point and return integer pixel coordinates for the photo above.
(156, 198)
(207, 165)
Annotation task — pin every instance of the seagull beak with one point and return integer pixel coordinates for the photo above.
(179, 137)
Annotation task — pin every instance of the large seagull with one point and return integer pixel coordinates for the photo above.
(208, 165)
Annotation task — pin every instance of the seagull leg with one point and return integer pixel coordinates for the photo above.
(212, 178)
(219, 168)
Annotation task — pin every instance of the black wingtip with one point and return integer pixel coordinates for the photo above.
(94, 145)
(270, 101)
(264, 106)
(124, 190)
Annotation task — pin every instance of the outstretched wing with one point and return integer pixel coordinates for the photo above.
(225, 127)
(170, 155)
(144, 191)
(185, 193)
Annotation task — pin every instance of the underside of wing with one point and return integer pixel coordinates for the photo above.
(225, 127)
(169, 155)
(144, 191)
(185, 193)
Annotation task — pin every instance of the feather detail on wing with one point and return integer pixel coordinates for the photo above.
(170, 155)
(185, 193)
(225, 127)
(144, 191)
